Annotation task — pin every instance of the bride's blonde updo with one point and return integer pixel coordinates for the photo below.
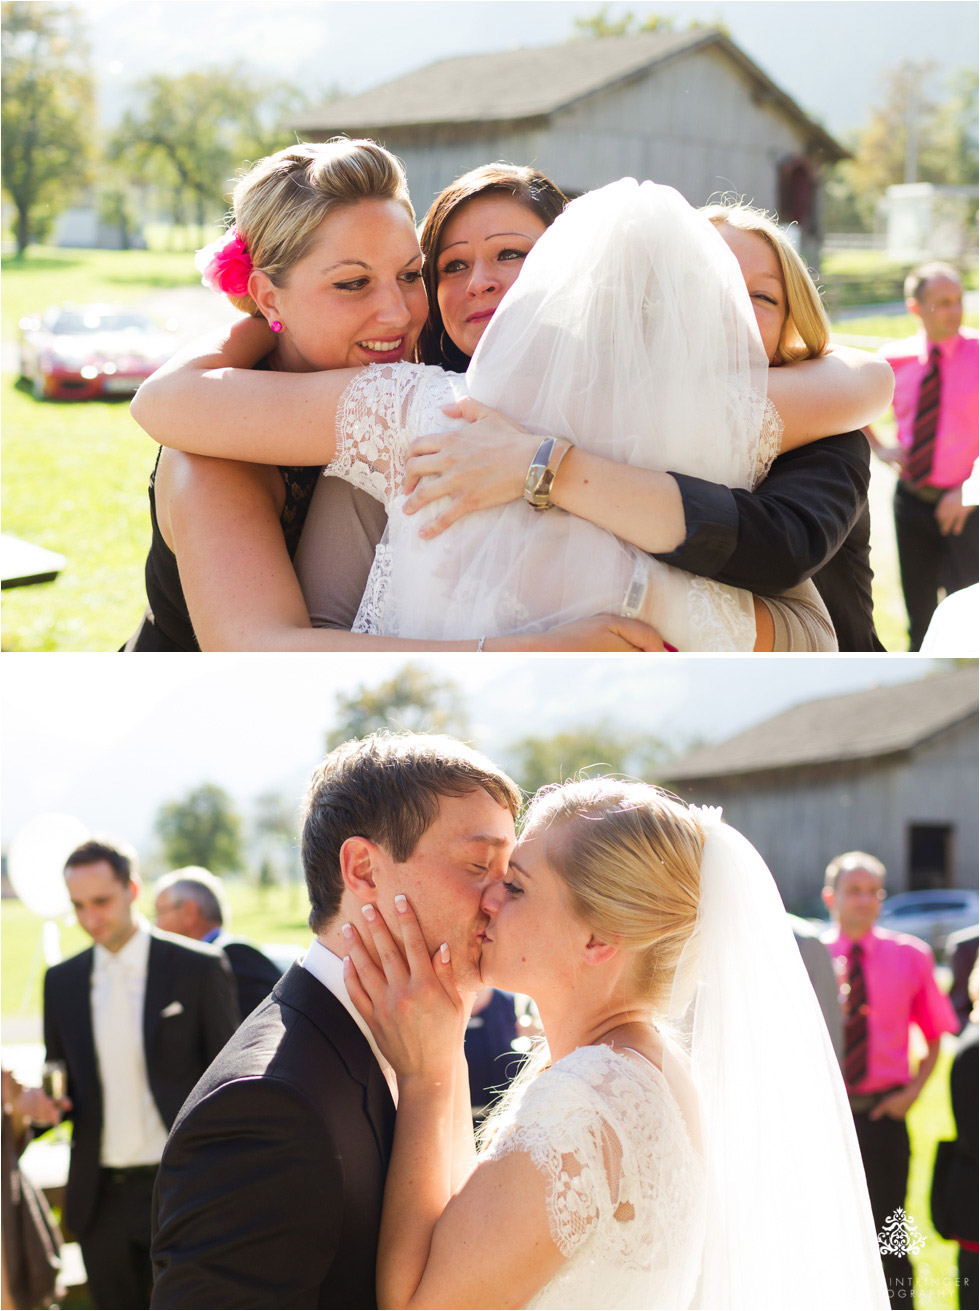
(630, 857)
(281, 201)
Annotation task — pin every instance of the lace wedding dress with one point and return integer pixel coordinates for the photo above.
(624, 1180)
(630, 332)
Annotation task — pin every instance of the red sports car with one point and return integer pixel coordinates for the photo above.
(76, 352)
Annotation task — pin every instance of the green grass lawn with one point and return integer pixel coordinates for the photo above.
(48, 275)
(74, 480)
(929, 1121)
(893, 326)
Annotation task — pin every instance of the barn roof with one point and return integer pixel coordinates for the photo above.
(513, 85)
(857, 726)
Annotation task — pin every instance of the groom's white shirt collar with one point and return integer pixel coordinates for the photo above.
(328, 968)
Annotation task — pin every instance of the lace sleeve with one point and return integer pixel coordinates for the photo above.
(374, 426)
(770, 441)
(609, 1140)
(561, 1128)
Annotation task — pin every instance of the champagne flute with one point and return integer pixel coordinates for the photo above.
(54, 1082)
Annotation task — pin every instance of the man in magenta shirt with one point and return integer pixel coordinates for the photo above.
(887, 986)
(936, 415)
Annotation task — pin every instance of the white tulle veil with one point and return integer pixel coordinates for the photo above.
(630, 331)
(788, 1221)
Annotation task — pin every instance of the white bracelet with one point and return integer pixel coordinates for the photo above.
(479, 645)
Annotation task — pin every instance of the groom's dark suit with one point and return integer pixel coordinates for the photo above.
(269, 1193)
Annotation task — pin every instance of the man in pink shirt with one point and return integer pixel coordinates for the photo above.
(936, 415)
(887, 985)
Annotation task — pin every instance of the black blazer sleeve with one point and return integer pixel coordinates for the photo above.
(769, 540)
(220, 1014)
(255, 975)
(258, 1213)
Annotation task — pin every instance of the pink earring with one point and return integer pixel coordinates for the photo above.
(275, 325)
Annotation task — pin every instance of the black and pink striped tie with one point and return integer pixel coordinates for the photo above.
(856, 1021)
(918, 466)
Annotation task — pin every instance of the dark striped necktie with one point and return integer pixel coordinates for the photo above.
(856, 1021)
(918, 467)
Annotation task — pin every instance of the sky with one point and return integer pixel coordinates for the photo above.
(109, 740)
(826, 54)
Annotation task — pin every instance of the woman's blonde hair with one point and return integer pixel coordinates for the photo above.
(281, 201)
(630, 857)
(806, 331)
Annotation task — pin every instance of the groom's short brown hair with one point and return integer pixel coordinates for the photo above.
(386, 788)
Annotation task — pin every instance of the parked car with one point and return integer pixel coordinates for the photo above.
(931, 915)
(76, 352)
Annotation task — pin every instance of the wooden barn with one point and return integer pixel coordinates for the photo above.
(686, 108)
(892, 771)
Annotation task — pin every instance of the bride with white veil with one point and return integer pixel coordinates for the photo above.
(710, 1162)
(629, 332)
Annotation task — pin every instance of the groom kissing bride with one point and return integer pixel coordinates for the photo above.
(640, 1162)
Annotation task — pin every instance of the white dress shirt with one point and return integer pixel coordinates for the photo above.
(132, 1131)
(328, 968)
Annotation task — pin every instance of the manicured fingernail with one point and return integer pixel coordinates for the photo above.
(347, 930)
(444, 953)
(401, 903)
(368, 912)
(346, 962)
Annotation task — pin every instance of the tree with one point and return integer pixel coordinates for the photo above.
(909, 137)
(203, 828)
(416, 699)
(599, 748)
(600, 24)
(186, 135)
(276, 824)
(192, 132)
(47, 112)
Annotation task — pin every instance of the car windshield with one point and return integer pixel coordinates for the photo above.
(918, 907)
(76, 322)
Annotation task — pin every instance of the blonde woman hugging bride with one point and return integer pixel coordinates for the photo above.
(629, 340)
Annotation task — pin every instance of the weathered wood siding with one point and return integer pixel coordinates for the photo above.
(801, 818)
(693, 123)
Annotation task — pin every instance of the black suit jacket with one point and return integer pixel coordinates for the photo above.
(255, 974)
(178, 1046)
(808, 518)
(270, 1188)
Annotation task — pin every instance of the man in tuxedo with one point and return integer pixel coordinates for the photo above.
(270, 1187)
(191, 902)
(137, 1018)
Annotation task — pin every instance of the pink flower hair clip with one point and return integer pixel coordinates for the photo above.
(225, 265)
